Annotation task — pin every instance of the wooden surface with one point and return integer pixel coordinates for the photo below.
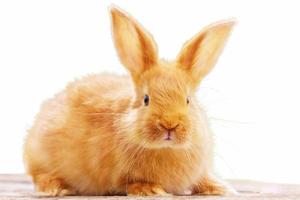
(19, 187)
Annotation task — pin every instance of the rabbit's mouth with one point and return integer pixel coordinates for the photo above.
(168, 133)
(160, 136)
(168, 136)
(172, 139)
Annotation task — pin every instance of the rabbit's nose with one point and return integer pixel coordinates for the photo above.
(168, 128)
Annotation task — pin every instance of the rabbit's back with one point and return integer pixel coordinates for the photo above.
(77, 125)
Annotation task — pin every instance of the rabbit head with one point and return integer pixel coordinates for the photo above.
(164, 101)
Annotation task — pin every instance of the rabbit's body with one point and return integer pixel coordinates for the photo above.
(81, 138)
(142, 134)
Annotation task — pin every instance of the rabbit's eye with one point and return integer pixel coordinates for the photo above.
(187, 100)
(146, 100)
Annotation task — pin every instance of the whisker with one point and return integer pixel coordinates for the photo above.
(228, 121)
(226, 163)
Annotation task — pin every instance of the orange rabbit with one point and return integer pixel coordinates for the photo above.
(142, 134)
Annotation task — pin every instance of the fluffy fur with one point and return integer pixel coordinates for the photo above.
(97, 137)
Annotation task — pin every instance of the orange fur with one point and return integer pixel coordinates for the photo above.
(97, 137)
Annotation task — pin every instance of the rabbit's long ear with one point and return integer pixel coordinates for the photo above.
(135, 46)
(199, 55)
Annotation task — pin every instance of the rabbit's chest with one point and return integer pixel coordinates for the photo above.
(174, 171)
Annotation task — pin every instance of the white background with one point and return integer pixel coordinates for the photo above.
(252, 96)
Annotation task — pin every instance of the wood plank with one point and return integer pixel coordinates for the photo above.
(19, 187)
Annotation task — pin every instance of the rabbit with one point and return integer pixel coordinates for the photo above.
(138, 134)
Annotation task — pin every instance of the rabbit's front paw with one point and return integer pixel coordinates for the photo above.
(146, 189)
(210, 187)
